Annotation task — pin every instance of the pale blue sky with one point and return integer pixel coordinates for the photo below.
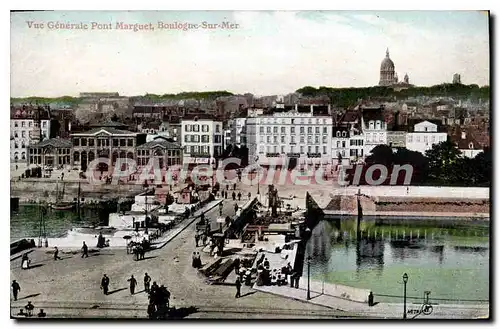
(271, 52)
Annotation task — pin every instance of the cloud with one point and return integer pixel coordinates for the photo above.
(271, 53)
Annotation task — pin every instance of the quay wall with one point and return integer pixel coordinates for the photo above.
(416, 191)
(33, 190)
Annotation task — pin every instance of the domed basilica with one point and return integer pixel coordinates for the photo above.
(388, 75)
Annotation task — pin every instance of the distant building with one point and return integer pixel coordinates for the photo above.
(303, 139)
(28, 125)
(202, 139)
(104, 142)
(389, 77)
(456, 78)
(237, 132)
(374, 127)
(163, 150)
(52, 152)
(424, 135)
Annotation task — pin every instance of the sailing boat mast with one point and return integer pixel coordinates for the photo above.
(57, 192)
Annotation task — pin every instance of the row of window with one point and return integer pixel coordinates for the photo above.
(376, 125)
(293, 149)
(310, 140)
(302, 130)
(143, 161)
(197, 138)
(204, 128)
(375, 138)
(61, 151)
(49, 161)
(30, 123)
(294, 120)
(425, 138)
(102, 142)
(158, 152)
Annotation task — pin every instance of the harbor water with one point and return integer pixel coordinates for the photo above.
(25, 222)
(451, 262)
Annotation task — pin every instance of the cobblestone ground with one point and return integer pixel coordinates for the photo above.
(70, 287)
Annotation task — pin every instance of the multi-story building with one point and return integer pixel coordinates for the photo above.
(171, 128)
(424, 135)
(54, 152)
(104, 142)
(201, 139)
(297, 138)
(166, 152)
(340, 144)
(374, 127)
(467, 140)
(237, 132)
(28, 125)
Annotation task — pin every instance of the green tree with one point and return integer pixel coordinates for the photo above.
(381, 154)
(442, 158)
(482, 168)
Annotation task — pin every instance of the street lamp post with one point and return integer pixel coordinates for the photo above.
(308, 277)
(405, 281)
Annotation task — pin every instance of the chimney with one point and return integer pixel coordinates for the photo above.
(312, 108)
(296, 107)
(464, 134)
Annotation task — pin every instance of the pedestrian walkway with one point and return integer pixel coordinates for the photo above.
(161, 242)
(322, 294)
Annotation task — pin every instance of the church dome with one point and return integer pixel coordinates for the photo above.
(387, 64)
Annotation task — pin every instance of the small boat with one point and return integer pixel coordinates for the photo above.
(63, 206)
(60, 205)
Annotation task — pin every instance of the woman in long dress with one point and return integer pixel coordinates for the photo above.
(25, 263)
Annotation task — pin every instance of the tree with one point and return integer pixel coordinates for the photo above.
(482, 168)
(381, 154)
(417, 160)
(442, 158)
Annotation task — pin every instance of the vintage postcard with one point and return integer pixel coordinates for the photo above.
(250, 165)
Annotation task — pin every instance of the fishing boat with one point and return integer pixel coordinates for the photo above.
(59, 204)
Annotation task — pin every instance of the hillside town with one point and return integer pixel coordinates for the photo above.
(312, 130)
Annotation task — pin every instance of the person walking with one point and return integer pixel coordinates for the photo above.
(239, 196)
(85, 250)
(234, 196)
(105, 284)
(56, 254)
(16, 288)
(249, 195)
(147, 281)
(133, 283)
(238, 288)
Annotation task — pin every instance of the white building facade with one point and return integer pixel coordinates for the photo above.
(22, 134)
(277, 138)
(237, 130)
(374, 129)
(202, 140)
(425, 134)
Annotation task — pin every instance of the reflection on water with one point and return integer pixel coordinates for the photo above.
(454, 268)
(26, 221)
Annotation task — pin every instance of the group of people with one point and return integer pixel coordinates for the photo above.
(159, 301)
(196, 262)
(29, 311)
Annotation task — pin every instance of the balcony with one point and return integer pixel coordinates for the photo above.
(273, 155)
(293, 155)
(314, 155)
